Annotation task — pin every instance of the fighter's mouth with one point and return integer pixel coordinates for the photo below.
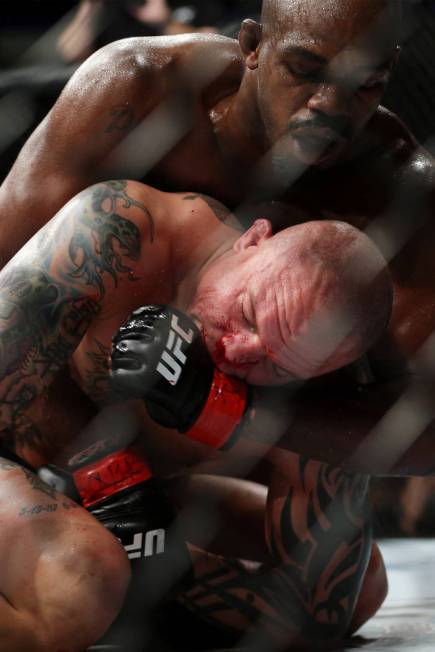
(321, 143)
(323, 134)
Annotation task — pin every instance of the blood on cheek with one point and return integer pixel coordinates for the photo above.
(220, 352)
(232, 350)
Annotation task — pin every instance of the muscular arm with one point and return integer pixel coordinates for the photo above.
(100, 105)
(318, 537)
(54, 287)
(120, 114)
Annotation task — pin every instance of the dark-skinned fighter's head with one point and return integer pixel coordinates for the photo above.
(318, 70)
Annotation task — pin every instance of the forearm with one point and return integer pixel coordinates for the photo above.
(319, 540)
(381, 429)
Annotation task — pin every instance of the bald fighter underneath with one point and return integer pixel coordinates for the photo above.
(268, 308)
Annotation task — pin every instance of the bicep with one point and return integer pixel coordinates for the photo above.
(69, 150)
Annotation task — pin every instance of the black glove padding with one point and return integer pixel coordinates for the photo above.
(143, 519)
(159, 355)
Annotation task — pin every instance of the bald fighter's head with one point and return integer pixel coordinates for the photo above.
(294, 305)
(316, 73)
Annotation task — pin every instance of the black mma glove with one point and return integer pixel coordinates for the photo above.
(158, 354)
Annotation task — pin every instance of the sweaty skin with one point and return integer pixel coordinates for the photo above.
(119, 244)
(241, 122)
(271, 308)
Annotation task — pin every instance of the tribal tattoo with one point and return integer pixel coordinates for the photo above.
(319, 537)
(55, 286)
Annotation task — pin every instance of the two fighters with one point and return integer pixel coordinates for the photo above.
(268, 307)
(235, 121)
(289, 113)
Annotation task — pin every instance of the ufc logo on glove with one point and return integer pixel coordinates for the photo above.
(168, 366)
(146, 544)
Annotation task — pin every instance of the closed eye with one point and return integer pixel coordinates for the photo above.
(310, 74)
(282, 373)
(249, 323)
(376, 81)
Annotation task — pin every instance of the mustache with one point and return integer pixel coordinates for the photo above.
(337, 124)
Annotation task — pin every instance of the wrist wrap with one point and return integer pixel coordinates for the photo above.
(224, 408)
(111, 474)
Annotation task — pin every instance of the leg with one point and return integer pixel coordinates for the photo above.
(66, 576)
(373, 591)
(234, 509)
(319, 542)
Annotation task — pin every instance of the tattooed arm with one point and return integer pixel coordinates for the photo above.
(319, 539)
(54, 287)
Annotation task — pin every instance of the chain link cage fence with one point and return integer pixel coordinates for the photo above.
(32, 75)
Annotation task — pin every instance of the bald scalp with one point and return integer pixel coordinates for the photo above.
(345, 280)
(278, 15)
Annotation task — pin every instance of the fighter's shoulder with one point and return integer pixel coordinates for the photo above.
(147, 59)
(194, 206)
(389, 136)
(387, 131)
(150, 208)
(120, 202)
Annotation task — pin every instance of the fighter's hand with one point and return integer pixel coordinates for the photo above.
(159, 355)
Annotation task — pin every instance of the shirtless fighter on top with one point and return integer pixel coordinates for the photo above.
(270, 309)
(289, 112)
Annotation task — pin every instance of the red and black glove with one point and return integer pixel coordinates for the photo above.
(158, 355)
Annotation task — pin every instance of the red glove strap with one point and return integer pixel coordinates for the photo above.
(105, 477)
(225, 407)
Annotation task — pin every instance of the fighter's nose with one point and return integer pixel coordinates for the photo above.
(243, 349)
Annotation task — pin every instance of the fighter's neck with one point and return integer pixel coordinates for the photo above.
(192, 261)
(237, 125)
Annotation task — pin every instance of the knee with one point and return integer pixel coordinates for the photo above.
(373, 592)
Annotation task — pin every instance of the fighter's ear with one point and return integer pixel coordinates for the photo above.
(258, 232)
(249, 41)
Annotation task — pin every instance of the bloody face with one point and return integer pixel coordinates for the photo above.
(322, 70)
(254, 310)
